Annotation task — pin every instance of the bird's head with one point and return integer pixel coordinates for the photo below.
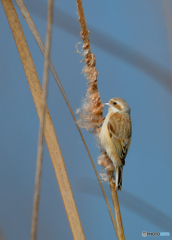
(118, 105)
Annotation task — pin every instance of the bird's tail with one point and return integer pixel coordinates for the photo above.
(118, 180)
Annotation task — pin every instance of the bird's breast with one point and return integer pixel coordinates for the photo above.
(107, 143)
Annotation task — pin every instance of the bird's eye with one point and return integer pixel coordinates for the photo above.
(114, 103)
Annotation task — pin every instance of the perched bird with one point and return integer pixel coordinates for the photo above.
(115, 135)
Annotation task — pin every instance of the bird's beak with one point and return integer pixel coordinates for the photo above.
(107, 104)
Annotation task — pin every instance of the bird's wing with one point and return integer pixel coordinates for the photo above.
(119, 127)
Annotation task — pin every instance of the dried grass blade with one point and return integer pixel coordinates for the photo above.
(42, 124)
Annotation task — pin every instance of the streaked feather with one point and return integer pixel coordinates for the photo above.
(119, 126)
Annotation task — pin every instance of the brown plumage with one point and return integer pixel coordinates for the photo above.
(115, 135)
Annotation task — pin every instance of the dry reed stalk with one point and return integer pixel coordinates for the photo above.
(49, 132)
(39, 41)
(91, 112)
(42, 123)
(117, 209)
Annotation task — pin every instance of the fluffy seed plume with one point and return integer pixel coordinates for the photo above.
(91, 111)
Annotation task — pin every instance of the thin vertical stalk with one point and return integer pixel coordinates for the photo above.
(42, 124)
(49, 131)
(117, 210)
(91, 113)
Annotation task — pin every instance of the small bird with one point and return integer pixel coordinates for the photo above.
(115, 135)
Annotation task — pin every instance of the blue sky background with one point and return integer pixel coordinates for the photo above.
(130, 41)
